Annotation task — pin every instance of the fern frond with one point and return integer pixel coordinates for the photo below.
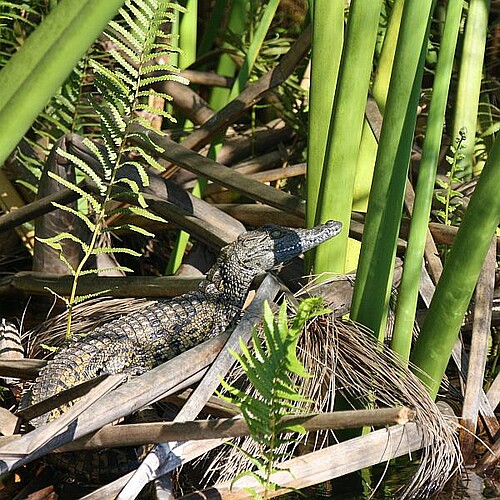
(149, 159)
(146, 82)
(83, 298)
(88, 197)
(123, 83)
(274, 394)
(76, 213)
(132, 227)
(54, 241)
(106, 269)
(145, 213)
(154, 93)
(85, 168)
(97, 251)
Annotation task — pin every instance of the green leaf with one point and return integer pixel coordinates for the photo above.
(82, 298)
(97, 251)
(88, 197)
(132, 227)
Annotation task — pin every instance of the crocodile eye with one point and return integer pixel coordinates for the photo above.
(276, 233)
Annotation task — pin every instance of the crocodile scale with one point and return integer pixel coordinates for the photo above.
(140, 341)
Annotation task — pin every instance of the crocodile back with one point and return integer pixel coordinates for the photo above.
(133, 343)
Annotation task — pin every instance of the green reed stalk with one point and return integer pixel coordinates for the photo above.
(385, 63)
(453, 292)
(344, 133)
(327, 42)
(375, 270)
(408, 291)
(188, 34)
(35, 72)
(226, 66)
(469, 80)
(253, 51)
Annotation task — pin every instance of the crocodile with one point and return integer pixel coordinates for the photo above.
(137, 342)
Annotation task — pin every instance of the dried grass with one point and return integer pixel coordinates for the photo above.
(343, 358)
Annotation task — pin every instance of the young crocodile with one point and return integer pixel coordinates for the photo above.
(136, 343)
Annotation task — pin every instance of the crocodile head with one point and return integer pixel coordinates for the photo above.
(270, 245)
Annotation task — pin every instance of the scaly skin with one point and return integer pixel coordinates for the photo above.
(136, 343)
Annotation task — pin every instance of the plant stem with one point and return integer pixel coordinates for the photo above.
(374, 275)
(469, 81)
(454, 290)
(344, 134)
(408, 291)
(327, 41)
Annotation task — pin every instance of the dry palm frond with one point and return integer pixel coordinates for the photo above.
(342, 356)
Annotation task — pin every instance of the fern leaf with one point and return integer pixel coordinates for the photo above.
(146, 82)
(134, 187)
(106, 269)
(88, 197)
(68, 264)
(149, 159)
(129, 68)
(141, 15)
(138, 166)
(138, 32)
(147, 125)
(104, 160)
(146, 138)
(78, 214)
(153, 110)
(83, 298)
(110, 79)
(85, 168)
(54, 241)
(129, 39)
(145, 213)
(126, 49)
(154, 93)
(97, 251)
(132, 227)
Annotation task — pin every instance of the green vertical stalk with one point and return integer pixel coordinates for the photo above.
(375, 270)
(327, 41)
(408, 292)
(384, 68)
(344, 133)
(227, 67)
(253, 51)
(187, 34)
(469, 80)
(453, 292)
